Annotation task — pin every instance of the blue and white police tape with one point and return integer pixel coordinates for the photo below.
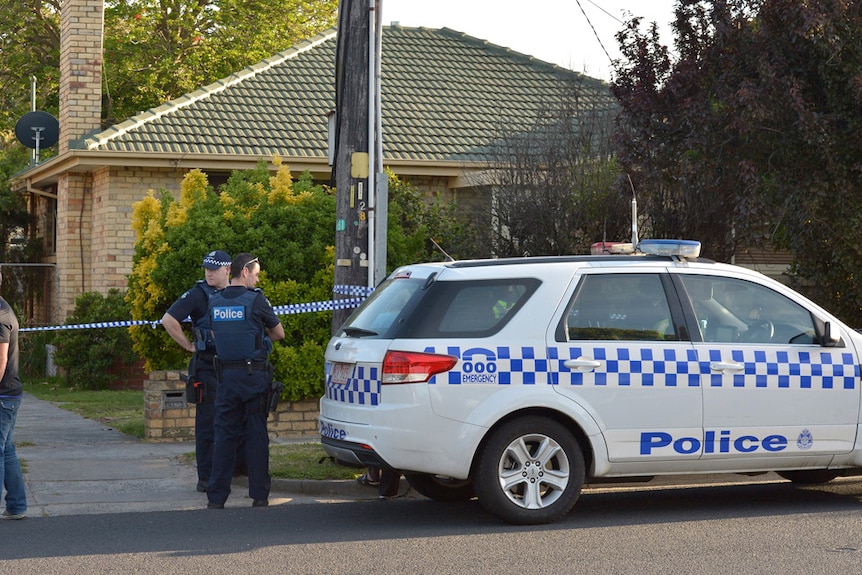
(361, 291)
(288, 309)
(100, 324)
(317, 306)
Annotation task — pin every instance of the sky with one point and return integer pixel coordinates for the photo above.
(556, 31)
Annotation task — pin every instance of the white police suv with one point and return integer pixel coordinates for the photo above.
(518, 380)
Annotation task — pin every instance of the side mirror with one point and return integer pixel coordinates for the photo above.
(829, 340)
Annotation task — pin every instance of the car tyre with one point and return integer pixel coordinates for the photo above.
(809, 476)
(441, 488)
(530, 471)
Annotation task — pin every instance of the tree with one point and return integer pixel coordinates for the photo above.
(417, 220)
(14, 223)
(750, 137)
(553, 190)
(157, 50)
(30, 44)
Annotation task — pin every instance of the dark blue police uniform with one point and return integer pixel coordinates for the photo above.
(240, 317)
(194, 304)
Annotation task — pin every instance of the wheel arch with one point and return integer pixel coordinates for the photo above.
(563, 419)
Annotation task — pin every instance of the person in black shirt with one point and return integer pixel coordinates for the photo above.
(10, 400)
(194, 304)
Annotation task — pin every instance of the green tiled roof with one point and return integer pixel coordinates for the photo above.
(445, 97)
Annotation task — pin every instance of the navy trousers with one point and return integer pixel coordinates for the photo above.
(240, 414)
(205, 425)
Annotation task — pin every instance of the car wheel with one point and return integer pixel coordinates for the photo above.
(530, 471)
(809, 476)
(441, 488)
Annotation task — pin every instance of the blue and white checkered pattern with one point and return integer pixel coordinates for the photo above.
(650, 365)
(645, 367)
(659, 366)
(795, 369)
(361, 388)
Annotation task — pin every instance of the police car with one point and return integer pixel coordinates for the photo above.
(518, 380)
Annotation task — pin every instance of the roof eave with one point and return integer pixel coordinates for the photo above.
(77, 161)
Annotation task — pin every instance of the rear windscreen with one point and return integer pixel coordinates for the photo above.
(413, 308)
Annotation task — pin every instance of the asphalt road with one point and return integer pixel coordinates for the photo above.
(738, 528)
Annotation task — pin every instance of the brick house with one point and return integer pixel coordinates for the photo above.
(445, 98)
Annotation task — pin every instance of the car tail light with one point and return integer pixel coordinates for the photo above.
(414, 367)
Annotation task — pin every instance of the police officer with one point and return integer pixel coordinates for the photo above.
(194, 304)
(244, 327)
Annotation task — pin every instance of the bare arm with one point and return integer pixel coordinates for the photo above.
(275, 333)
(4, 356)
(175, 330)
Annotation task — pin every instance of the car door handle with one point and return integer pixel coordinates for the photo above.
(726, 367)
(582, 364)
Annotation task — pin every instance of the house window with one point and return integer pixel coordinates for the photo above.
(49, 227)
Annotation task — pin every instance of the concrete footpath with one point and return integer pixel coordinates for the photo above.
(74, 466)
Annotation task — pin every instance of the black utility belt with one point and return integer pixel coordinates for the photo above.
(264, 365)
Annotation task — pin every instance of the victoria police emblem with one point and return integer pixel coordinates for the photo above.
(804, 441)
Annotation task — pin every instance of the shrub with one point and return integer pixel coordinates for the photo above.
(88, 354)
(32, 353)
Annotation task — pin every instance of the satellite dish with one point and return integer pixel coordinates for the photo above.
(37, 130)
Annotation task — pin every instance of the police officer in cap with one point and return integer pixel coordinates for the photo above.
(244, 327)
(202, 376)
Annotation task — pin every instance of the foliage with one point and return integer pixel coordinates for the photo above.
(288, 226)
(155, 51)
(30, 44)
(33, 355)
(14, 222)
(750, 138)
(88, 354)
(554, 191)
(416, 219)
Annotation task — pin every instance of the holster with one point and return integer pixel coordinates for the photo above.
(274, 395)
(195, 389)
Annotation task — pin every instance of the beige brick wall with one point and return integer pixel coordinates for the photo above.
(73, 241)
(95, 240)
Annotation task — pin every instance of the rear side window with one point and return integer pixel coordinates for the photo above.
(385, 310)
(467, 308)
(620, 307)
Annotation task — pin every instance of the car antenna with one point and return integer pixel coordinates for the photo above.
(634, 214)
(442, 251)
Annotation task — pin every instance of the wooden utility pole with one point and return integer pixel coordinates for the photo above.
(357, 150)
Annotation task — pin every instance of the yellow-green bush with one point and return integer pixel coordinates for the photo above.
(290, 226)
